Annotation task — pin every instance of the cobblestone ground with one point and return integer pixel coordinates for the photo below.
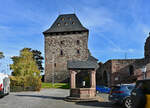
(104, 96)
(47, 98)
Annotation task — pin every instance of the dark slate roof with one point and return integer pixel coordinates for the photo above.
(66, 23)
(89, 64)
(91, 58)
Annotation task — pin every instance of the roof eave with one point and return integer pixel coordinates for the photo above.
(47, 32)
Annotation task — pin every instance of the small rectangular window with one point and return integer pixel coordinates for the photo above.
(78, 51)
(78, 42)
(54, 64)
(61, 52)
(61, 42)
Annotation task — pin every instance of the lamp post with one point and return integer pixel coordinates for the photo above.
(53, 73)
(144, 72)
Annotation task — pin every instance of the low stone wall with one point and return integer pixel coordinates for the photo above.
(83, 92)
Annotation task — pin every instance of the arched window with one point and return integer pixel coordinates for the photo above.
(131, 70)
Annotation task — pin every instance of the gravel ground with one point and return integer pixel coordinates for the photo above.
(47, 98)
(104, 96)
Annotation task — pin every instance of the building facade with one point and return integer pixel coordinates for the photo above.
(118, 71)
(65, 40)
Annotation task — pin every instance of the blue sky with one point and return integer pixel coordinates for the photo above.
(116, 26)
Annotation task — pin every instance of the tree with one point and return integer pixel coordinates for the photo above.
(25, 71)
(1, 55)
(37, 57)
(24, 64)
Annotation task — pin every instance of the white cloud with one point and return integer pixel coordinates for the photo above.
(131, 50)
(95, 17)
(119, 50)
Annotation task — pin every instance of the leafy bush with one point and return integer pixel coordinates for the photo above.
(27, 83)
(33, 81)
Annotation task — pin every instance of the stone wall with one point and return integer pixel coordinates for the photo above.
(59, 49)
(99, 74)
(126, 70)
(106, 72)
(121, 71)
(103, 73)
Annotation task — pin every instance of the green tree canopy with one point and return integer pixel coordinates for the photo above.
(37, 57)
(24, 64)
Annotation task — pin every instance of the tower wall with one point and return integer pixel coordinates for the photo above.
(59, 49)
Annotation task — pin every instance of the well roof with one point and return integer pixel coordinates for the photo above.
(89, 64)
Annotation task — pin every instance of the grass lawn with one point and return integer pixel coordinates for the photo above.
(55, 85)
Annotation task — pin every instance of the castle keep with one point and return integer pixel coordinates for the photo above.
(65, 40)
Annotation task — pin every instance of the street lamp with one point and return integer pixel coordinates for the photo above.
(144, 72)
(53, 73)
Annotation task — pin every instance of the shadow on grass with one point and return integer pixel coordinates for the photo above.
(55, 85)
(43, 97)
(64, 86)
(99, 104)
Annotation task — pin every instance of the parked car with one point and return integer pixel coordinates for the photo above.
(120, 94)
(146, 89)
(4, 84)
(102, 89)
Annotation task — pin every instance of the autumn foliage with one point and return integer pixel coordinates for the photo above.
(25, 72)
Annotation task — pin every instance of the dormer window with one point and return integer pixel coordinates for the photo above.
(78, 42)
(70, 18)
(58, 24)
(63, 19)
(73, 22)
(66, 24)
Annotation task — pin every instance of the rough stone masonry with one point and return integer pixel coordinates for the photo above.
(65, 40)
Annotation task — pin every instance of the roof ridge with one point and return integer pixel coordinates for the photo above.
(67, 14)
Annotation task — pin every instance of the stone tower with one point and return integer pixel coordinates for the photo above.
(65, 40)
(147, 50)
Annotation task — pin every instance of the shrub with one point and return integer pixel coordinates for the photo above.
(26, 73)
(27, 83)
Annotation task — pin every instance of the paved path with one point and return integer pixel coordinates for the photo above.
(46, 98)
(104, 96)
